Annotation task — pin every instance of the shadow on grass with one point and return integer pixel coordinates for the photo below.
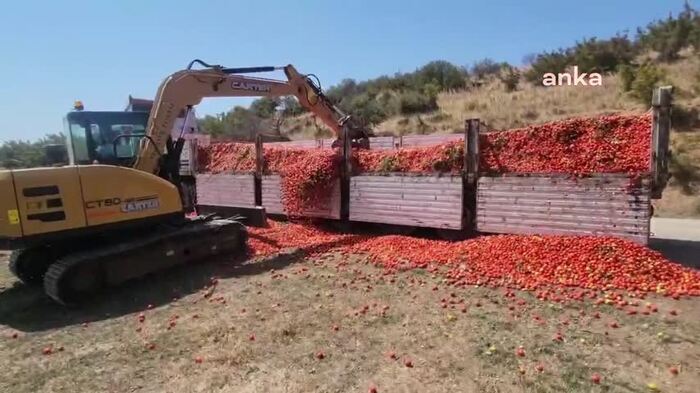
(685, 252)
(27, 308)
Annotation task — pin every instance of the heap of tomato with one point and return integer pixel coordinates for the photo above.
(579, 146)
(607, 144)
(552, 266)
(308, 176)
(443, 158)
(226, 157)
(549, 265)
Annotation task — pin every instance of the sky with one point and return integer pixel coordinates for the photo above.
(56, 52)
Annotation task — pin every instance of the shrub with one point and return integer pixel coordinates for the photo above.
(601, 56)
(443, 74)
(668, 37)
(684, 172)
(555, 62)
(366, 109)
(391, 93)
(421, 126)
(439, 117)
(684, 118)
(590, 55)
(626, 74)
(486, 67)
(646, 78)
(264, 107)
(25, 154)
(411, 102)
(291, 107)
(389, 102)
(510, 77)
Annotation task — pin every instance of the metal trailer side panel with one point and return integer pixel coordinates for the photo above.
(231, 190)
(424, 201)
(553, 204)
(375, 143)
(303, 144)
(429, 140)
(384, 142)
(272, 199)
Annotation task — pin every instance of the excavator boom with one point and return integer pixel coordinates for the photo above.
(188, 87)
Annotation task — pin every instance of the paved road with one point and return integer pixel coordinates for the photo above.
(678, 239)
(675, 228)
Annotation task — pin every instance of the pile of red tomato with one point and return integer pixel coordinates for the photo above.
(307, 176)
(549, 265)
(579, 146)
(443, 158)
(619, 144)
(226, 157)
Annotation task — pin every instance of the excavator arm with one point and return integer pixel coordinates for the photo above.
(185, 89)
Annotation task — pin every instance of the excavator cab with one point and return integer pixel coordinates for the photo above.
(110, 138)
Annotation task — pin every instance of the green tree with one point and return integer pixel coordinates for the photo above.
(486, 67)
(242, 124)
(212, 125)
(647, 77)
(265, 107)
(26, 154)
(592, 55)
(376, 99)
(291, 107)
(510, 77)
(441, 73)
(669, 36)
(555, 62)
(366, 109)
(412, 102)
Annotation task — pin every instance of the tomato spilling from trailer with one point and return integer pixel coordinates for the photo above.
(554, 267)
(580, 146)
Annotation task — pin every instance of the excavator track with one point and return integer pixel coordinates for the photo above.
(75, 276)
(29, 265)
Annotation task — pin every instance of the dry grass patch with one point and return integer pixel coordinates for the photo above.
(354, 315)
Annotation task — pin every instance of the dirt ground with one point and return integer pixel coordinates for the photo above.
(336, 324)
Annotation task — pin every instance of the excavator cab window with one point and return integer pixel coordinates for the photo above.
(111, 138)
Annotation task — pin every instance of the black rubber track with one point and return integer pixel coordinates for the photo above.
(110, 264)
(29, 265)
(53, 279)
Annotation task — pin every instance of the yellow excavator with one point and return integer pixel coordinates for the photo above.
(115, 212)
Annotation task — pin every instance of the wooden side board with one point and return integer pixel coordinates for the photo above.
(423, 201)
(230, 190)
(550, 204)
